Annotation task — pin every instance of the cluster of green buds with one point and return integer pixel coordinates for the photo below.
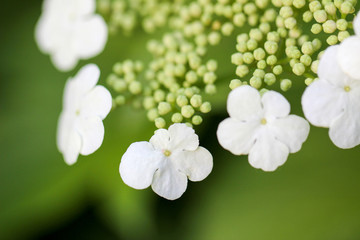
(276, 41)
(282, 43)
(126, 15)
(172, 87)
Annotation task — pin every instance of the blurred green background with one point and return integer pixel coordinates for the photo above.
(315, 195)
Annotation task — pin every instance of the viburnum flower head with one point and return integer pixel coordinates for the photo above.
(261, 127)
(85, 105)
(166, 162)
(69, 30)
(333, 101)
(349, 52)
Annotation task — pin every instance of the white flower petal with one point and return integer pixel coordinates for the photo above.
(64, 60)
(356, 24)
(71, 152)
(349, 56)
(345, 131)
(244, 103)
(97, 102)
(267, 152)
(87, 77)
(322, 103)
(91, 130)
(139, 164)
(182, 137)
(90, 37)
(197, 164)
(329, 68)
(84, 7)
(275, 105)
(168, 182)
(160, 140)
(291, 130)
(237, 136)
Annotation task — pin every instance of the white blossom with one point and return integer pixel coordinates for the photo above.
(333, 101)
(261, 127)
(349, 52)
(69, 30)
(166, 162)
(85, 105)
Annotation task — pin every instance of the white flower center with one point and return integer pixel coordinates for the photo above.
(263, 121)
(166, 152)
(77, 112)
(347, 89)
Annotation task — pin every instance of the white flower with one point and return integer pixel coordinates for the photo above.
(85, 105)
(69, 30)
(166, 162)
(349, 52)
(261, 127)
(333, 101)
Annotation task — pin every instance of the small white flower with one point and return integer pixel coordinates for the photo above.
(69, 30)
(85, 105)
(333, 101)
(348, 55)
(261, 127)
(166, 162)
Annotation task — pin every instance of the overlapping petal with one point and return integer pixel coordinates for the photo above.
(139, 164)
(275, 105)
(182, 137)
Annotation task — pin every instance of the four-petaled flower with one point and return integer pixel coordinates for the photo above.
(166, 162)
(261, 127)
(69, 30)
(85, 105)
(333, 101)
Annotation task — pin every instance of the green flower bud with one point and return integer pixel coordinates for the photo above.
(314, 6)
(347, 8)
(242, 70)
(306, 60)
(234, 83)
(242, 47)
(299, 3)
(307, 48)
(205, 107)
(255, 82)
(239, 19)
(148, 103)
(269, 79)
(286, 12)
(332, 40)
(196, 101)
(227, 29)
(308, 81)
(299, 69)
(120, 100)
(307, 16)
(248, 57)
(214, 38)
(256, 34)
(189, 92)
(159, 95)
(191, 77)
(342, 35)
(164, 108)
(271, 47)
(314, 66)
(265, 27)
(277, 70)
(160, 122)
(210, 89)
(251, 44)
(290, 23)
(290, 42)
(273, 36)
(152, 114)
(187, 111)
(329, 26)
(176, 118)
(170, 97)
(316, 44)
(285, 84)
(259, 73)
(117, 68)
(330, 8)
(316, 28)
(259, 54)
(341, 24)
(196, 120)
(209, 78)
(320, 16)
(271, 60)
(261, 64)
(237, 58)
(135, 87)
(120, 85)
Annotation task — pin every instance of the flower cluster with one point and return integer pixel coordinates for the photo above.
(275, 43)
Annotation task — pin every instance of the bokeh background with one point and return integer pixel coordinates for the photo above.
(315, 195)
